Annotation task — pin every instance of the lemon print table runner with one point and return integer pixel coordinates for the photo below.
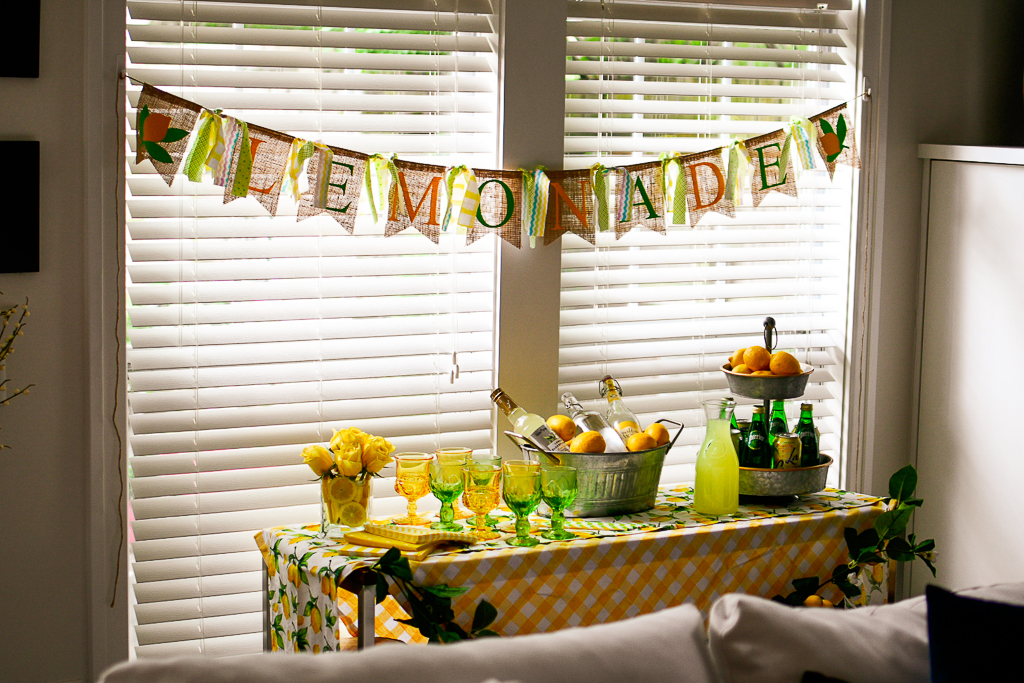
(616, 567)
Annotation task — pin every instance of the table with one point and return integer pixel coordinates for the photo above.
(619, 568)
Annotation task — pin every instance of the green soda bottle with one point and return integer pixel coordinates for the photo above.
(758, 451)
(778, 424)
(808, 436)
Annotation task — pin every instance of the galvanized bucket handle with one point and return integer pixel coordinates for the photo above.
(678, 432)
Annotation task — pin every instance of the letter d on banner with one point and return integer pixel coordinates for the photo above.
(705, 190)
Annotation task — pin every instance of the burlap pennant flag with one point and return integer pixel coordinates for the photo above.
(335, 182)
(772, 165)
(835, 142)
(415, 200)
(641, 198)
(500, 209)
(706, 185)
(163, 123)
(259, 174)
(570, 205)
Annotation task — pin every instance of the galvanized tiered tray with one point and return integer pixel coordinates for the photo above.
(609, 483)
(778, 484)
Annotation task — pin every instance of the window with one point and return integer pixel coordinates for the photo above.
(662, 313)
(251, 336)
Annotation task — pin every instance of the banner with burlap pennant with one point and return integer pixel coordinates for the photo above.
(706, 185)
(415, 200)
(641, 198)
(259, 174)
(163, 123)
(500, 211)
(570, 205)
(772, 165)
(835, 139)
(335, 182)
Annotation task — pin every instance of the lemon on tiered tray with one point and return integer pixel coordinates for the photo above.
(756, 361)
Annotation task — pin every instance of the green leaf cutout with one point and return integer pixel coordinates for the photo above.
(841, 129)
(156, 152)
(826, 127)
(175, 134)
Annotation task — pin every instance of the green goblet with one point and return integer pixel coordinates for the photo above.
(521, 492)
(559, 489)
(446, 485)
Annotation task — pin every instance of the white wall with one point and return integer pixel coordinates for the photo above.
(50, 624)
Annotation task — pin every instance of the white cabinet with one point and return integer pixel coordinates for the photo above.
(970, 445)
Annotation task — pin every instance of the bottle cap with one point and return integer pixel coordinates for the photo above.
(759, 409)
(806, 406)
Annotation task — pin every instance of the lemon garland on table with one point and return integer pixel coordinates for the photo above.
(881, 543)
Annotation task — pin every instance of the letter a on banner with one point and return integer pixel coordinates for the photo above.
(835, 138)
(163, 123)
(773, 165)
(416, 200)
(705, 185)
(335, 181)
(570, 205)
(499, 212)
(264, 173)
(643, 203)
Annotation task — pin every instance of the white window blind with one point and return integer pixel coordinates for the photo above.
(252, 336)
(663, 313)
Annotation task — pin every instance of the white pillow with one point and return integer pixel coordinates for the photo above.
(668, 646)
(754, 640)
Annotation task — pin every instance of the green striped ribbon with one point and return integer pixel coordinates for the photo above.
(376, 167)
(784, 158)
(243, 169)
(395, 183)
(536, 186)
(297, 155)
(674, 185)
(450, 177)
(599, 181)
(738, 166)
(206, 139)
(805, 135)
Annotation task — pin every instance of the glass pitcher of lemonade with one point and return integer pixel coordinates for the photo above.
(717, 489)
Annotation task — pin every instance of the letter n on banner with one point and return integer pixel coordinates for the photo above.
(835, 138)
(163, 123)
(647, 201)
(416, 199)
(269, 150)
(570, 205)
(501, 193)
(705, 185)
(344, 183)
(765, 153)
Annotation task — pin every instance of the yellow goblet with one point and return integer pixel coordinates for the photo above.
(455, 455)
(481, 492)
(412, 482)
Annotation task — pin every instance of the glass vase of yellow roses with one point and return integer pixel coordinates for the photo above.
(346, 469)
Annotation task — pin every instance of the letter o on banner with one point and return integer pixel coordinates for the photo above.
(510, 204)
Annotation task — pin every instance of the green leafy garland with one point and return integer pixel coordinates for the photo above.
(431, 606)
(881, 543)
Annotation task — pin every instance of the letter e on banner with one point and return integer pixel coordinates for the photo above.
(344, 184)
(767, 157)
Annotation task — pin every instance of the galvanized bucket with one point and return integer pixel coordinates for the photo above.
(776, 483)
(609, 483)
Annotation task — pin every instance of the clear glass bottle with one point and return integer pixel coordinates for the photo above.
(717, 489)
(808, 436)
(593, 421)
(619, 416)
(530, 425)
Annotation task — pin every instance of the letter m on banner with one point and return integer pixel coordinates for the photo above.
(415, 200)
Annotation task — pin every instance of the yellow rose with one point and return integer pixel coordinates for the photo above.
(318, 458)
(377, 454)
(347, 437)
(349, 459)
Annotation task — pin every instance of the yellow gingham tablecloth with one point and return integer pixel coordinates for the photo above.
(621, 567)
